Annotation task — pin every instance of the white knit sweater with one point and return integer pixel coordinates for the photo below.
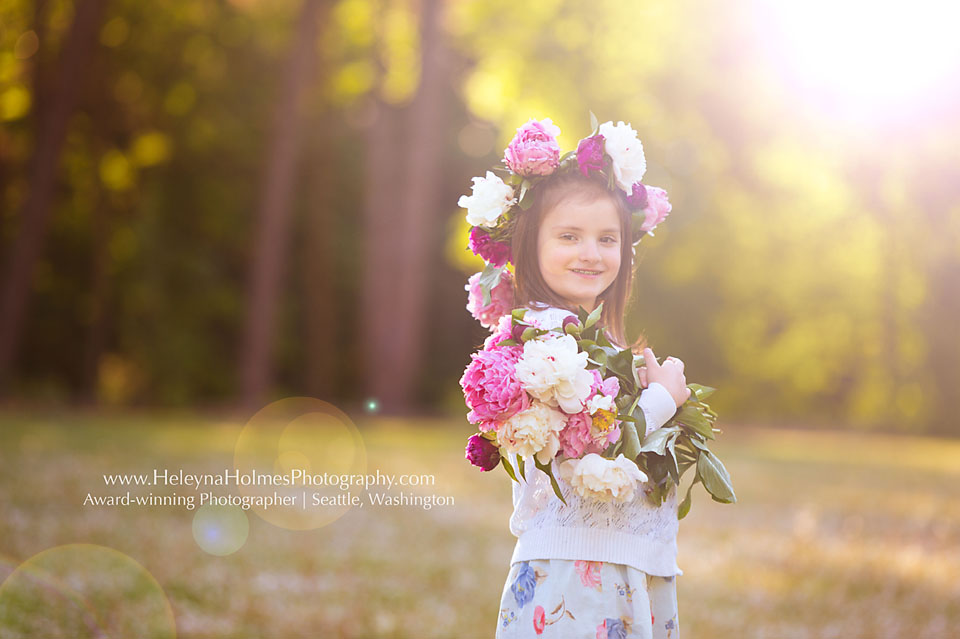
(635, 533)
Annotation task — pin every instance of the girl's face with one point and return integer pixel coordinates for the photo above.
(579, 249)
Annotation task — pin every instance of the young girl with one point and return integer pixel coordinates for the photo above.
(588, 568)
(581, 567)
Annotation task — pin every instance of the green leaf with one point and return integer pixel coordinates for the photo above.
(637, 413)
(715, 478)
(684, 506)
(489, 280)
(692, 417)
(701, 392)
(698, 444)
(594, 124)
(631, 441)
(553, 480)
(507, 342)
(507, 467)
(518, 313)
(593, 316)
(520, 467)
(603, 341)
(672, 448)
(656, 442)
(526, 199)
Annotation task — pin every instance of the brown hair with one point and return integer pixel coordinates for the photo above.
(531, 289)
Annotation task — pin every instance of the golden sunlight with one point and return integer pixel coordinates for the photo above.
(865, 59)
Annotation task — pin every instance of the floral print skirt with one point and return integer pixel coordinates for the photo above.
(586, 599)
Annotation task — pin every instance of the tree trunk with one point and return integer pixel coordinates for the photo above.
(398, 291)
(319, 292)
(36, 210)
(274, 213)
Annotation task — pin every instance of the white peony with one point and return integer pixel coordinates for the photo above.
(534, 431)
(490, 198)
(596, 477)
(624, 148)
(553, 371)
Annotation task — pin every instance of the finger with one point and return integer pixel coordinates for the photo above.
(650, 359)
(642, 374)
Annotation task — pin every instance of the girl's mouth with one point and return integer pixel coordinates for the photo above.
(586, 272)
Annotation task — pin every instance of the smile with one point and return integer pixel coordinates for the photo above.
(586, 272)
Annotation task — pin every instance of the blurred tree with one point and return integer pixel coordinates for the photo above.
(50, 131)
(271, 236)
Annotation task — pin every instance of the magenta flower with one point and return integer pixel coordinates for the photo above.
(590, 154)
(481, 452)
(657, 209)
(496, 253)
(638, 197)
(491, 388)
(501, 299)
(534, 149)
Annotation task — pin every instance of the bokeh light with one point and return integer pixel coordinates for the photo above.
(84, 590)
(307, 436)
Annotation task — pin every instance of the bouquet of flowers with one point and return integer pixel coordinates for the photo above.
(566, 393)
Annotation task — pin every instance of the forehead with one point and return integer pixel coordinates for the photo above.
(598, 215)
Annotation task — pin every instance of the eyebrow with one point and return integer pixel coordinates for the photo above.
(577, 228)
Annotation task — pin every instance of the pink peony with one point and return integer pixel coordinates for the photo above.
(491, 389)
(609, 387)
(657, 208)
(501, 300)
(502, 331)
(576, 438)
(496, 253)
(483, 453)
(534, 149)
(590, 154)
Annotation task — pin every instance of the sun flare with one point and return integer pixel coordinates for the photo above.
(865, 58)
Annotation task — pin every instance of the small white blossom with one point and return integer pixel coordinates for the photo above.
(490, 198)
(624, 148)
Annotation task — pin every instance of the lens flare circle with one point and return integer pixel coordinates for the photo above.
(307, 440)
(84, 590)
(220, 530)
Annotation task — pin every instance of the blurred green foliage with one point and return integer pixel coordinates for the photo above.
(823, 254)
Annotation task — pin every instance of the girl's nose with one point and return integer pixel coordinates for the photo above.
(589, 252)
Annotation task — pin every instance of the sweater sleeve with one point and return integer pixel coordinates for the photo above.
(657, 405)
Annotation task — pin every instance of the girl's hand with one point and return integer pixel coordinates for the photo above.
(669, 375)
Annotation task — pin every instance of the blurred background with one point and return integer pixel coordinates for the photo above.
(207, 205)
(212, 202)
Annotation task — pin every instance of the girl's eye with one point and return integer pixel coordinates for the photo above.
(610, 240)
(567, 236)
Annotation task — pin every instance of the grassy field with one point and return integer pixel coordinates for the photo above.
(835, 535)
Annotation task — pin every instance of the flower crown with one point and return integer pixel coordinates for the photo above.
(533, 156)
